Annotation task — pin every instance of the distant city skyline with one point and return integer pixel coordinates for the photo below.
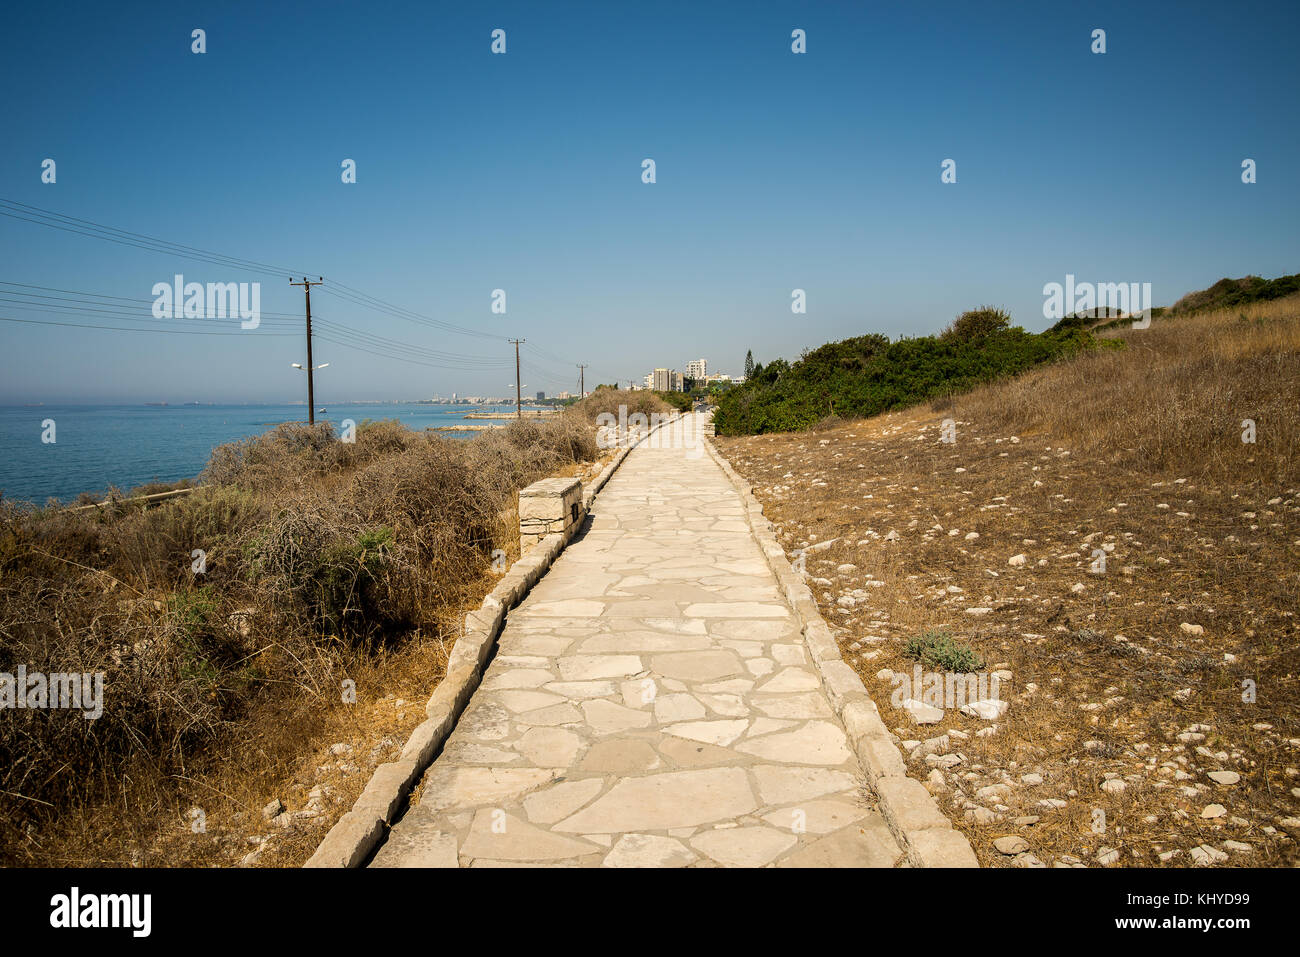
(455, 199)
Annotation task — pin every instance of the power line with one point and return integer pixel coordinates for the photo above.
(348, 338)
(180, 332)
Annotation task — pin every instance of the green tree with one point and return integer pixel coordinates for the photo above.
(976, 324)
(749, 363)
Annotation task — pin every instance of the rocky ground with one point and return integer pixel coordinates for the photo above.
(1142, 627)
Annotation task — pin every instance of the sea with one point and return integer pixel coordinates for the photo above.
(123, 446)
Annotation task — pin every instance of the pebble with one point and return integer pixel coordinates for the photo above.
(1011, 845)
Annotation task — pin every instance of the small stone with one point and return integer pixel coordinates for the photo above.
(1107, 855)
(989, 709)
(1205, 855)
(1190, 629)
(272, 809)
(1213, 810)
(921, 712)
(1011, 845)
(1227, 778)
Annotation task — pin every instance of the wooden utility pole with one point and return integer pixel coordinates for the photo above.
(518, 413)
(582, 389)
(311, 392)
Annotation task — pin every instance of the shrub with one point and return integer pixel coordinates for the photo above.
(976, 324)
(867, 375)
(610, 400)
(938, 649)
(317, 551)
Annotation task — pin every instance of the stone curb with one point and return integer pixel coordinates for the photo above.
(921, 829)
(357, 833)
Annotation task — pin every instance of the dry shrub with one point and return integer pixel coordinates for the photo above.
(321, 556)
(611, 400)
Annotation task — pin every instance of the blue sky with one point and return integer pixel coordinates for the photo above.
(522, 171)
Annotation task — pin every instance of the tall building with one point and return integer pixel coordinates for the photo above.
(541, 396)
(663, 380)
(678, 383)
(697, 369)
(649, 380)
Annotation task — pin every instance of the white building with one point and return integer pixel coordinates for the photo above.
(697, 369)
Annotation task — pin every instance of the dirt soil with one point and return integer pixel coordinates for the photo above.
(1153, 699)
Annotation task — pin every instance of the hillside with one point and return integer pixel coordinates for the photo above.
(1103, 537)
(1230, 293)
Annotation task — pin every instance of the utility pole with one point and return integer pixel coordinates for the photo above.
(311, 392)
(518, 413)
(582, 390)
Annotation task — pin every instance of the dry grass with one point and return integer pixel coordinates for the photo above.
(325, 561)
(1137, 452)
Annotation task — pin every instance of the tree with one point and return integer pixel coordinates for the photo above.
(749, 363)
(976, 324)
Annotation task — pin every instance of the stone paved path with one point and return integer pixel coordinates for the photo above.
(651, 703)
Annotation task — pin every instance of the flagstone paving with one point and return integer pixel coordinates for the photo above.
(651, 704)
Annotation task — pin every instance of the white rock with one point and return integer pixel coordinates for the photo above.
(989, 709)
(921, 712)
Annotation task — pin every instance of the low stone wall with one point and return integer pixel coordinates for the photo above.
(920, 828)
(352, 840)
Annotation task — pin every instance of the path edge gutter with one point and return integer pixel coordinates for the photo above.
(355, 836)
(924, 832)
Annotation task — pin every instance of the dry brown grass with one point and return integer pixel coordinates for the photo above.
(325, 561)
(1138, 452)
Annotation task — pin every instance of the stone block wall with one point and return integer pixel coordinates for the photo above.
(548, 507)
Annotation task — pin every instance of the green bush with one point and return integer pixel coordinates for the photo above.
(976, 324)
(1227, 293)
(867, 375)
(343, 587)
(681, 401)
(938, 649)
